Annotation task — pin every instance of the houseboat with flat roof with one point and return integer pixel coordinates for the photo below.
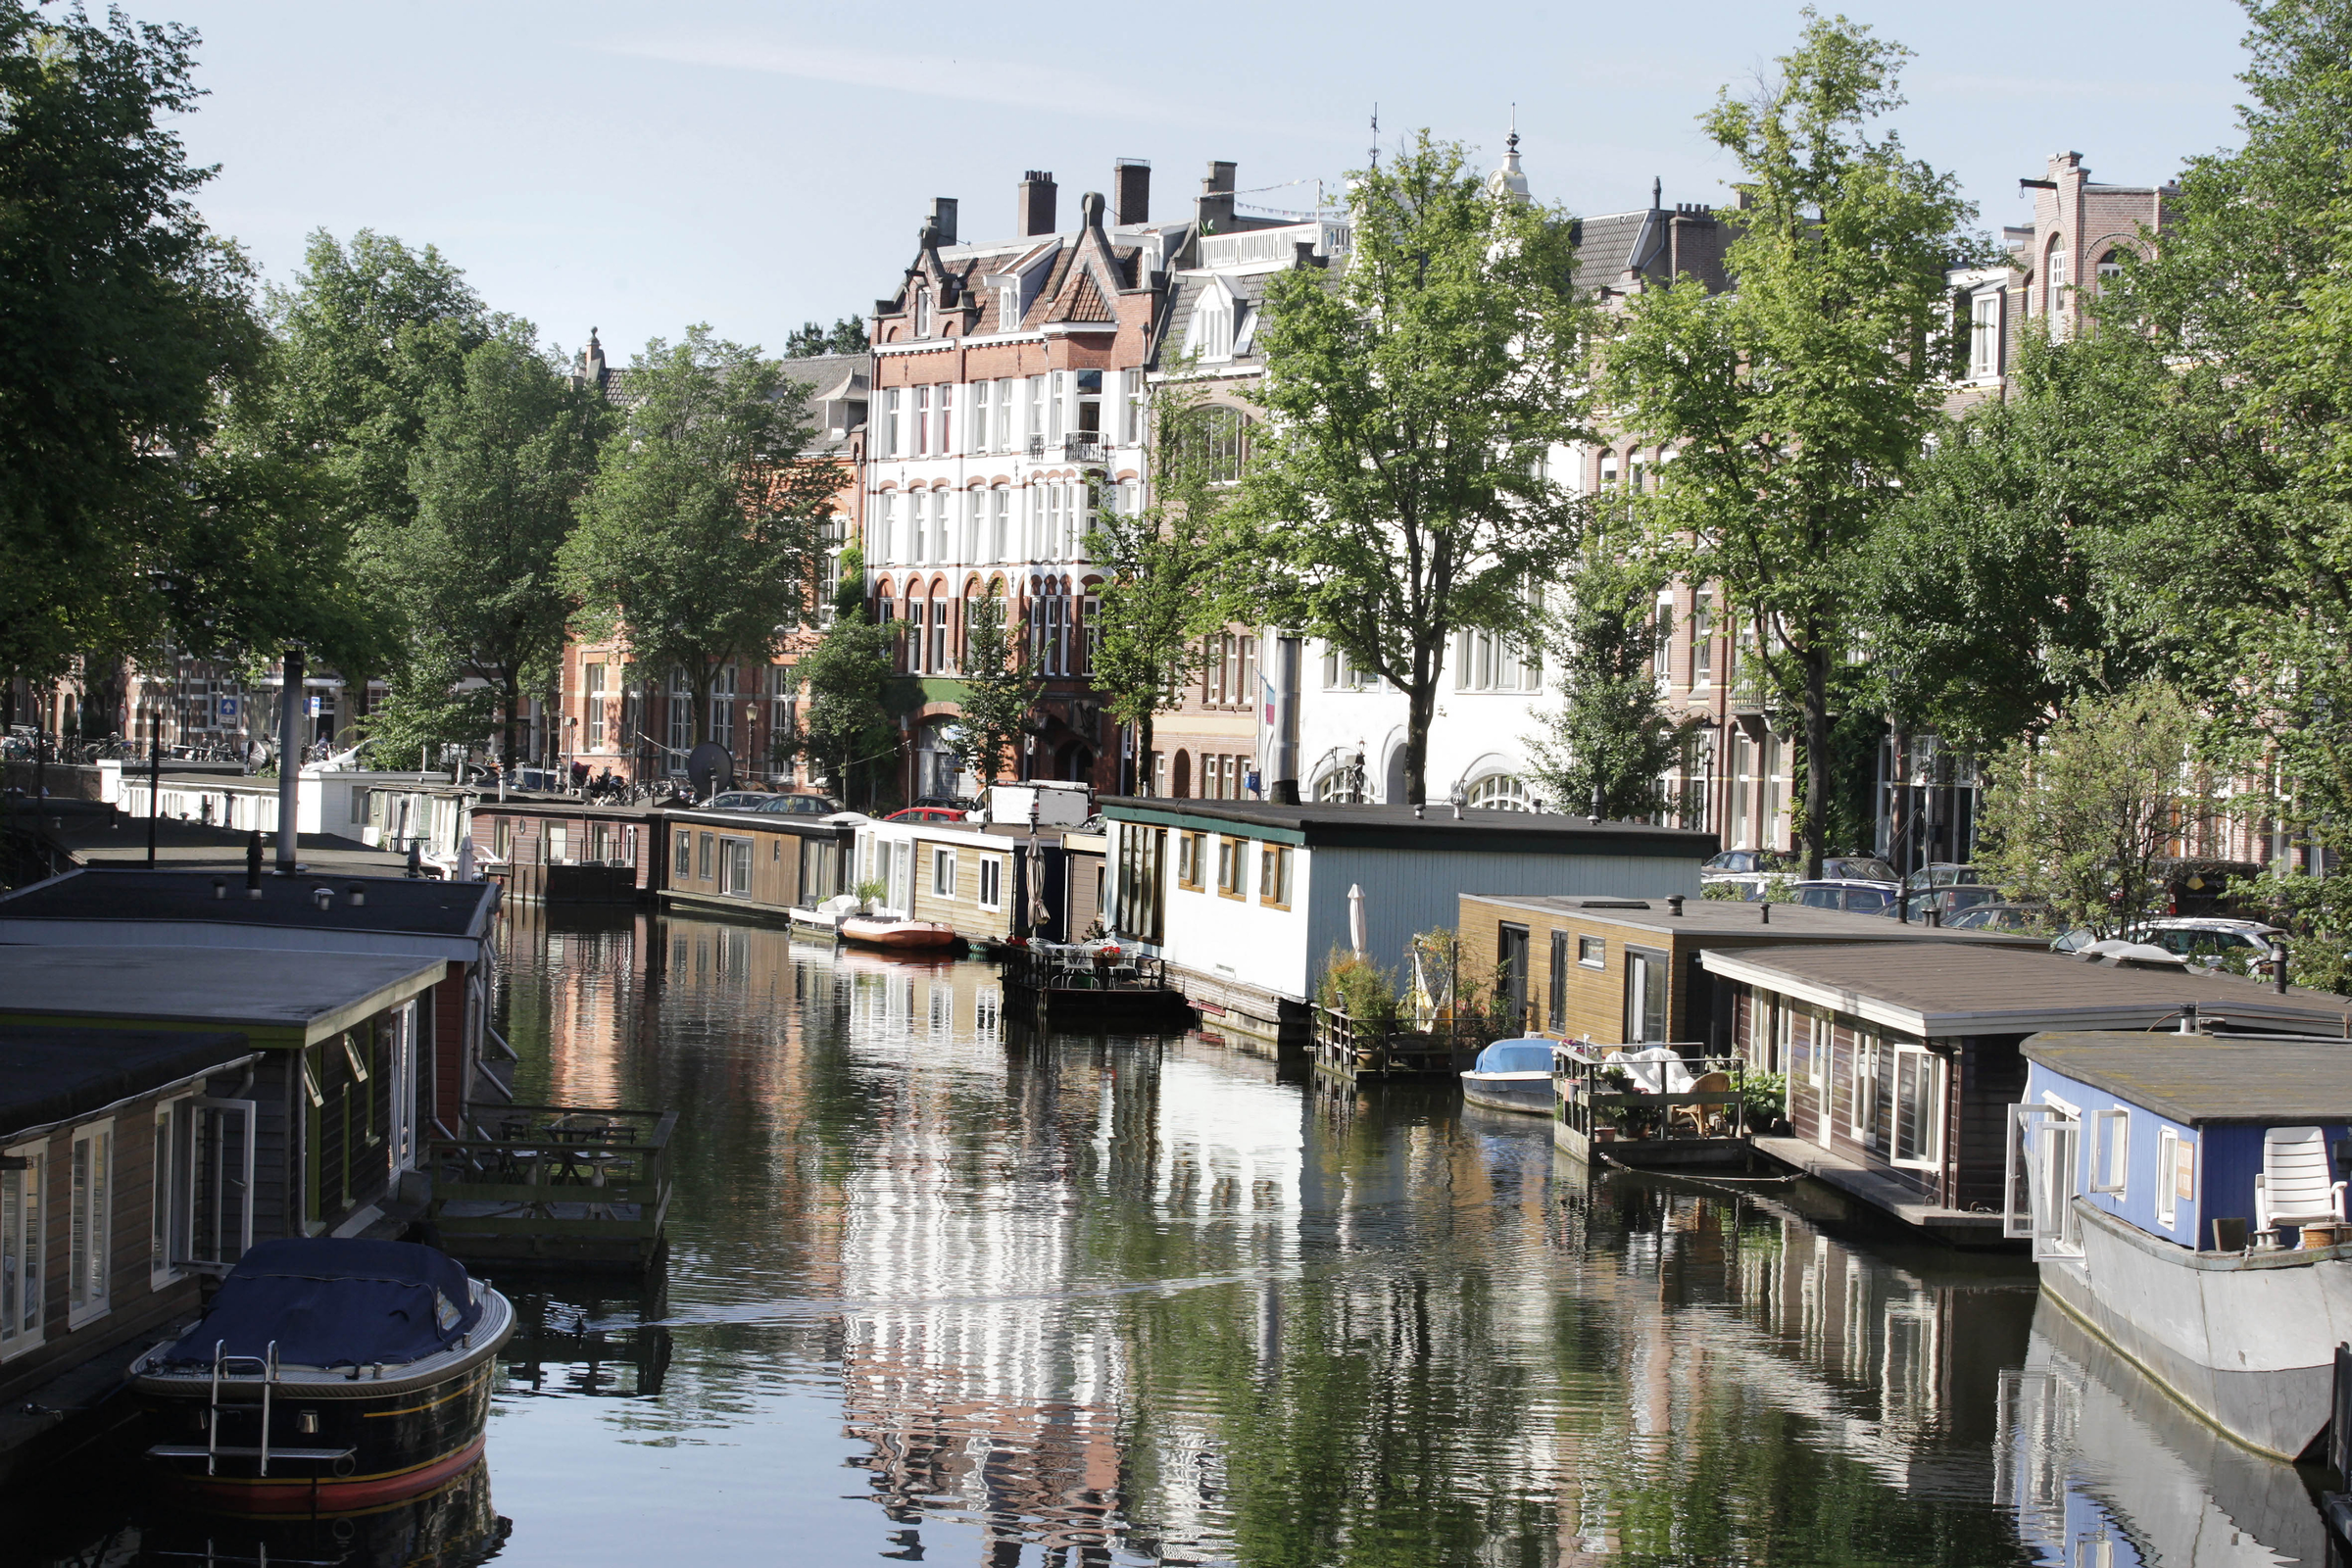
(2185, 1198)
(752, 864)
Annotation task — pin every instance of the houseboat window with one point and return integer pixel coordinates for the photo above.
(943, 873)
(735, 868)
(1188, 861)
(701, 868)
(1232, 866)
(1645, 996)
(88, 1215)
(2055, 1175)
(2110, 1151)
(167, 1241)
(1862, 1097)
(991, 882)
(1274, 875)
(1817, 1059)
(1917, 1108)
(1557, 982)
(21, 1275)
(1138, 907)
(502, 838)
(2175, 1174)
(1592, 953)
(901, 876)
(558, 850)
(682, 861)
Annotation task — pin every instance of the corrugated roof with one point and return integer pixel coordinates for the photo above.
(2198, 1079)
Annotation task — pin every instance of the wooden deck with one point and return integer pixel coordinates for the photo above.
(1071, 989)
(1353, 1050)
(1595, 1112)
(570, 1185)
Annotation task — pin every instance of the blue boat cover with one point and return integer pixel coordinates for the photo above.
(330, 1302)
(1515, 1056)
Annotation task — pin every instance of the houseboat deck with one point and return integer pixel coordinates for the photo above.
(553, 1184)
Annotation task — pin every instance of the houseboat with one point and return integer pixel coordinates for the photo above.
(1094, 985)
(751, 865)
(1902, 1060)
(2185, 1198)
(557, 849)
(327, 1376)
(1246, 901)
(987, 882)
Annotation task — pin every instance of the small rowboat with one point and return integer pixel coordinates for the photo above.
(876, 931)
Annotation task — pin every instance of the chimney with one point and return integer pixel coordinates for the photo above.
(1213, 210)
(942, 221)
(1035, 203)
(592, 362)
(1089, 210)
(1131, 191)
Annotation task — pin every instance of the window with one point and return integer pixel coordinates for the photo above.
(559, 844)
(923, 312)
(991, 882)
(722, 707)
(943, 873)
(1000, 524)
(593, 678)
(89, 1214)
(1661, 640)
(1502, 791)
(1131, 432)
(1917, 1108)
(1557, 976)
(888, 427)
(1702, 638)
(1592, 953)
(1274, 875)
(938, 625)
(1090, 403)
(1190, 850)
(1817, 1057)
(2110, 1151)
(982, 414)
(1340, 675)
(1004, 400)
(2111, 268)
(1232, 866)
(735, 868)
(945, 415)
(703, 863)
(2175, 1175)
(1212, 335)
(1645, 996)
(2054, 288)
(21, 1277)
(1862, 1100)
(921, 435)
(913, 648)
(682, 861)
(1138, 915)
(1985, 335)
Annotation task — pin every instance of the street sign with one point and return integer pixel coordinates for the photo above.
(310, 706)
(226, 709)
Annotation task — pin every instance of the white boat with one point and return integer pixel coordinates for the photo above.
(1512, 1075)
(2183, 1200)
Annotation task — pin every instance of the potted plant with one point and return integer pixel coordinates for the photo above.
(1766, 1096)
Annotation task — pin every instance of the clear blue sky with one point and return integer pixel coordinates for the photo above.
(640, 167)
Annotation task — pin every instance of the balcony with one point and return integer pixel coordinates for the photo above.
(1086, 447)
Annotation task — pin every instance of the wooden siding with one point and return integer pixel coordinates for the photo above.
(1595, 1001)
(961, 909)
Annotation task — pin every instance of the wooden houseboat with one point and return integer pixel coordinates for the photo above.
(554, 850)
(987, 882)
(1902, 1059)
(1245, 899)
(104, 1138)
(752, 864)
(2185, 1198)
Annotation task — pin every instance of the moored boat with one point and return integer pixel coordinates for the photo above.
(327, 1376)
(894, 935)
(1512, 1075)
(2185, 1198)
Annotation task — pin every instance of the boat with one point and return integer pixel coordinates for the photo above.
(1512, 1075)
(2184, 1199)
(896, 935)
(329, 1375)
(1094, 985)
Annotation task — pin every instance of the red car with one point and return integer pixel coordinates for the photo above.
(926, 814)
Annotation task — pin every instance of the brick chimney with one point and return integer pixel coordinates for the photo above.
(1131, 191)
(1212, 209)
(942, 221)
(1035, 203)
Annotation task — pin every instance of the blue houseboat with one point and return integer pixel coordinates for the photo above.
(2185, 1196)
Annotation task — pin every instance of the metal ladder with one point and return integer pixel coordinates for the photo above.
(224, 1366)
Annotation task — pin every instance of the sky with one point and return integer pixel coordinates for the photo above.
(639, 169)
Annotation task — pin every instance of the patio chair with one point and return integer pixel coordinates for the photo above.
(2295, 1187)
(1706, 1083)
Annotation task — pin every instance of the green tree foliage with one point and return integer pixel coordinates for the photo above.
(501, 458)
(1399, 492)
(1160, 565)
(124, 326)
(2081, 816)
(847, 724)
(1798, 402)
(1606, 747)
(999, 688)
(702, 537)
(845, 336)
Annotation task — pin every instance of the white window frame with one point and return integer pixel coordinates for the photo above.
(2111, 1150)
(991, 882)
(943, 869)
(2175, 1168)
(1818, 1044)
(23, 1242)
(1933, 1065)
(90, 1210)
(169, 1202)
(1866, 1092)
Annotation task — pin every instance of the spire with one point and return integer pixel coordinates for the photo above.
(1375, 136)
(1658, 192)
(1509, 181)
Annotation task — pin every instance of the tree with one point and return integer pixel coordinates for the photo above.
(999, 688)
(702, 537)
(1399, 492)
(1797, 403)
(501, 462)
(847, 720)
(845, 336)
(1160, 565)
(1606, 748)
(123, 323)
(2081, 816)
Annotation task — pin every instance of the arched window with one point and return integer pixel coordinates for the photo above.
(2111, 268)
(1184, 776)
(2054, 283)
(1502, 791)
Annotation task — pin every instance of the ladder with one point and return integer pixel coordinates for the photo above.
(212, 1452)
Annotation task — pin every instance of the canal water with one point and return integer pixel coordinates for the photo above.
(942, 1288)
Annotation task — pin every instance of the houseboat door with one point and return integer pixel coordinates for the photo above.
(1510, 954)
(2043, 1177)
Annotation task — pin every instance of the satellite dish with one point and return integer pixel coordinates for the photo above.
(709, 769)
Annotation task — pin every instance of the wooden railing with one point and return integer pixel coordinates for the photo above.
(564, 1183)
(1364, 1048)
(1594, 1093)
(1049, 966)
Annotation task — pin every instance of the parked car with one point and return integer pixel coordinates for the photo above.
(800, 804)
(1947, 902)
(737, 801)
(2212, 941)
(1745, 862)
(1941, 874)
(2002, 916)
(926, 814)
(1859, 868)
(953, 802)
(1853, 897)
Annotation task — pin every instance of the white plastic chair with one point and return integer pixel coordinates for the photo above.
(2295, 1185)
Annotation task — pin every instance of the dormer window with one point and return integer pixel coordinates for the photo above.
(1211, 336)
(1009, 308)
(923, 312)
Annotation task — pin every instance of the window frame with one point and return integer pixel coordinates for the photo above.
(83, 1305)
(704, 866)
(732, 849)
(2176, 1167)
(1190, 869)
(1232, 866)
(31, 1244)
(682, 860)
(1592, 953)
(2110, 1132)
(943, 867)
(991, 891)
(1274, 875)
(1930, 1070)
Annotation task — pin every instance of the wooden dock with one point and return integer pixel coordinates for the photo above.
(1073, 991)
(1353, 1050)
(568, 1185)
(1599, 1111)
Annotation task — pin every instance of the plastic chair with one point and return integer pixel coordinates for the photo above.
(2297, 1185)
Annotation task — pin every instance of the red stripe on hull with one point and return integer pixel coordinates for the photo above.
(258, 1496)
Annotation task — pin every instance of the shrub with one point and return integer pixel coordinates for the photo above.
(1359, 988)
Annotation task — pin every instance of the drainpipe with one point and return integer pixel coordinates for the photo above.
(1282, 756)
(289, 762)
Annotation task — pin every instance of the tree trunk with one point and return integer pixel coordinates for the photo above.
(1421, 707)
(1899, 808)
(1817, 753)
(1144, 781)
(512, 684)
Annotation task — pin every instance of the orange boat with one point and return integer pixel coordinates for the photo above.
(876, 931)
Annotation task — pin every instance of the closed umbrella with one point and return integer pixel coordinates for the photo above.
(465, 861)
(1355, 917)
